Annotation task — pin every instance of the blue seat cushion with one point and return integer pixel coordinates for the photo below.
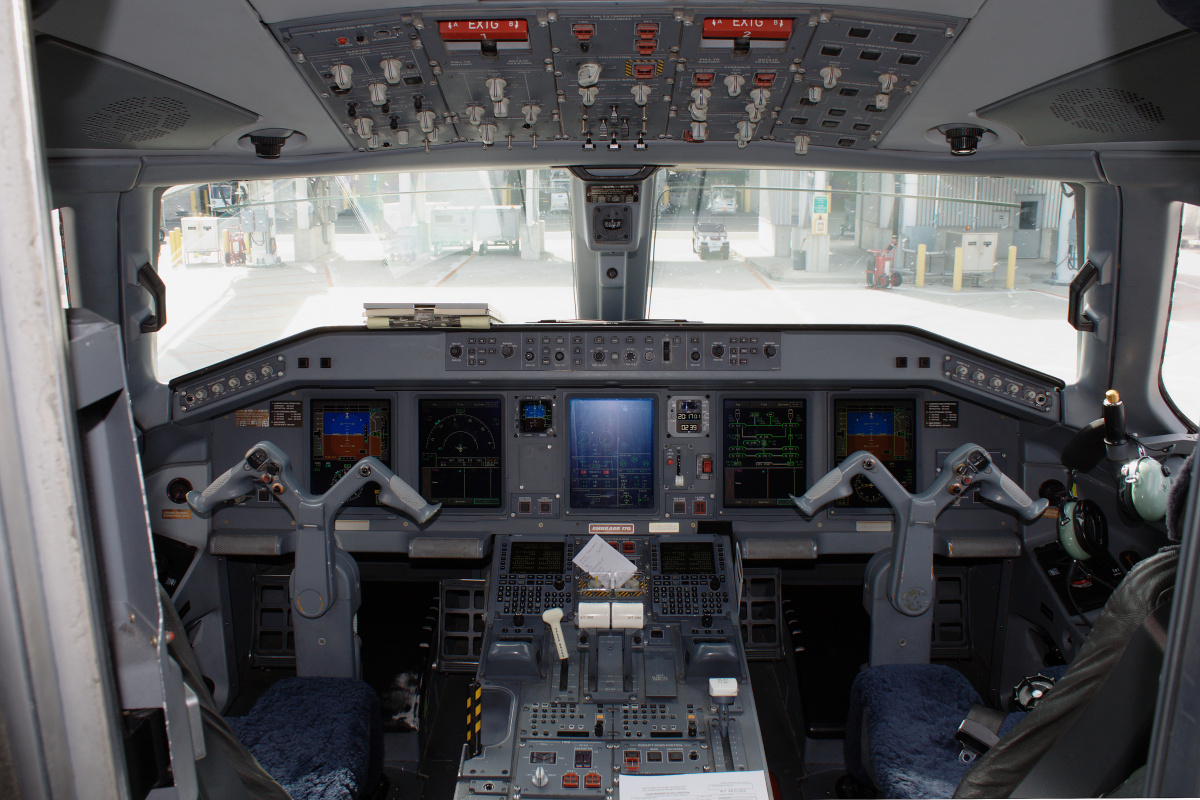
(320, 738)
(910, 713)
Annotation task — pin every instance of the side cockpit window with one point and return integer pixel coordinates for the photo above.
(1180, 380)
(63, 237)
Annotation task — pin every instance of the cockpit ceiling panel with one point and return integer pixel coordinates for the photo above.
(1120, 99)
(90, 100)
(616, 78)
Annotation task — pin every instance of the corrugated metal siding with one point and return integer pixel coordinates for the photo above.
(958, 201)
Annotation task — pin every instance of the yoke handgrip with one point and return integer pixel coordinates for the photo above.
(1006, 493)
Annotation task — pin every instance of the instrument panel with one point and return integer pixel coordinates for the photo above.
(659, 446)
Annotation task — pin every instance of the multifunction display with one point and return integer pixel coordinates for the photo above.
(536, 558)
(535, 416)
(460, 452)
(686, 558)
(883, 428)
(612, 452)
(344, 431)
(765, 452)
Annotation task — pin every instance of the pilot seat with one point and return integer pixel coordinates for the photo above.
(304, 739)
(1084, 738)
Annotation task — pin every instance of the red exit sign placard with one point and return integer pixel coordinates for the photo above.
(500, 30)
(753, 28)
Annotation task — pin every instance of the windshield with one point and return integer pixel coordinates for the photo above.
(813, 247)
(247, 263)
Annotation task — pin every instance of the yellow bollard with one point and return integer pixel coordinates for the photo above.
(920, 265)
(958, 253)
(1011, 279)
(176, 240)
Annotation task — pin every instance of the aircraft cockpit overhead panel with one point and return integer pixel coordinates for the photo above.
(615, 78)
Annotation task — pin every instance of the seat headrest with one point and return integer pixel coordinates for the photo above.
(1177, 498)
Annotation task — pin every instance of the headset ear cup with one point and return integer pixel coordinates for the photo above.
(1068, 531)
(1091, 527)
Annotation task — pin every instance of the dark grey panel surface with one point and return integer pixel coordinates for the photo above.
(90, 100)
(1121, 99)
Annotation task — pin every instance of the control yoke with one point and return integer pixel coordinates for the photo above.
(267, 465)
(911, 580)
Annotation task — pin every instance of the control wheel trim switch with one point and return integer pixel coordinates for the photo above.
(911, 579)
(325, 580)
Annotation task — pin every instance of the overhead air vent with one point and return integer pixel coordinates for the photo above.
(94, 101)
(1108, 110)
(1121, 99)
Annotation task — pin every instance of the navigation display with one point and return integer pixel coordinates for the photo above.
(686, 558)
(460, 452)
(612, 452)
(343, 431)
(765, 451)
(884, 428)
(534, 558)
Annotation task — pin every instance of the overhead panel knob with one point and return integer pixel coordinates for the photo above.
(588, 94)
(589, 74)
(641, 93)
(500, 107)
(474, 114)
(699, 113)
(745, 132)
(699, 131)
(531, 111)
(487, 133)
(540, 778)
(734, 84)
(341, 75)
(887, 81)
(802, 140)
(700, 97)
(760, 97)
(881, 101)
(426, 119)
(754, 112)
(815, 92)
(830, 76)
(495, 87)
(378, 93)
(402, 136)
(363, 125)
(373, 142)
(391, 69)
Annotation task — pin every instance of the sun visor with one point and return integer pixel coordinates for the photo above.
(93, 101)
(1147, 94)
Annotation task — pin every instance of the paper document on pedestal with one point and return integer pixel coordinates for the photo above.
(696, 786)
(601, 560)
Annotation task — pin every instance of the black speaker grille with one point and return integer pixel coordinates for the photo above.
(136, 119)
(1107, 110)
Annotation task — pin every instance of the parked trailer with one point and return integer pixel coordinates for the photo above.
(498, 226)
(451, 229)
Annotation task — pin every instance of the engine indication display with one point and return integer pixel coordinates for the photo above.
(612, 453)
(459, 455)
(765, 451)
(343, 431)
(884, 428)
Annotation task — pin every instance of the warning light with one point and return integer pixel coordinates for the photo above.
(498, 30)
(753, 28)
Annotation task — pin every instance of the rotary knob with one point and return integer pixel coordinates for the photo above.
(540, 778)
(978, 376)
(529, 356)
(770, 350)
(391, 69)
(506, 351)
(455, 351)
(341, 75)
(718, 350)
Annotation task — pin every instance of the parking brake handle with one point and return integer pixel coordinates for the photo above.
(910, 589)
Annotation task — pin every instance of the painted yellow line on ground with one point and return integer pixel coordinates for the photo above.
(456, 269)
